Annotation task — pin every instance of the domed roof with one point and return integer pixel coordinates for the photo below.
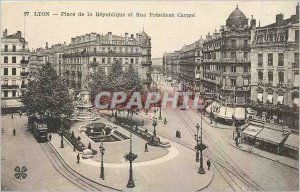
(237, 18)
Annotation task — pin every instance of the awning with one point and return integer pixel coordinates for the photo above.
(280, 99)
(225, 113)
(6, 103)
(292, 142)
(240, 113)
(260, 97)
(270, 98)
(252, 131)
(297, 101)
(271, 136)
(214, 106)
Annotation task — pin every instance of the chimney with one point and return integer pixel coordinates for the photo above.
(109, 33)
(252, 22)
(132, 36)
(19, 34)
(279, 18)
(73, 40)
(297, 10)
(98, 37)
(46, 45)
(64, 43)
(5, 33)
(126, 36)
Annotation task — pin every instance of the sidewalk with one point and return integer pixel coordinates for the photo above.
(178, 172)
(273, 157)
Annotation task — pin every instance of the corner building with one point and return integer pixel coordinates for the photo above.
(275, 71)
(14, 70)
(87, 53)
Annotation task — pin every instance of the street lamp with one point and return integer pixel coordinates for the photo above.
(200, 147)
(102, 150)
(130, 157)
(197, 142)
(160, 118)
(62, 132)
(154, 125)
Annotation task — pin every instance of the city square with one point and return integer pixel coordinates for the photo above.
(109, 112)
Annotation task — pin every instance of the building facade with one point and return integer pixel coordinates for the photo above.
(275, 71)
(14, 70)
(88, 52)
(190, 60)
(171, 63)
(226, 64)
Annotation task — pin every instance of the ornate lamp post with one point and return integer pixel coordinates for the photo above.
(130, 157)
(200, 147)
(102, 150)
(154, 125)
(62, 131)
(197, 143)
(160, 118)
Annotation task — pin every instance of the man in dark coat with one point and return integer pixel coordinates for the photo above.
(14, 132)
(50, 137)
(208, 164)
(78, 158)
(146, 147)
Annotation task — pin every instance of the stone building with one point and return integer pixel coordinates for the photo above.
(171, 63)
(226, 66)
(275, 70)
(190, 60)
(14, 70)
(88, 52)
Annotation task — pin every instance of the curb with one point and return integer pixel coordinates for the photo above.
(213, 175)
(264, 157)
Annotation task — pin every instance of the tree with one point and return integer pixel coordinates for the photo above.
(47, 96)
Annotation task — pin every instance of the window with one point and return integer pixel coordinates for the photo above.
(5, 71)
(14, 60)
(245, 69)
(280, 59)
(233, 54)
(131, 60)
(233, 69)
(281, 37)
(5, 93)
(233, 82)
(281, 77)
(296, 58)
(121, 60)
(14, 93)
(297, 35)
(270, 77)
(120, 49)
(271, 38)
(126, 49)
(23, 46)
(103, 60)
(5, 82)
(14, 48)
(131, 50)
(270, 59)
(260, 59)
(260, 75)
(245, 55)
(5, 59)
(108, 60)
(5, 47)
(245, 43)
(94, 60)
(233, 43)
(95, 49)
(14, 71)
(103, 49)
(246, 82)
(260, 39)
(136, 60)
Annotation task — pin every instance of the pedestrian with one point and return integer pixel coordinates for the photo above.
(179, 134)
(50, 137)
(20, 114)
(14, 132)
(143, 122)
(208, 164)
(165, 121)
(176, 133)
(74, 149)
(146, 147)
(78, 158)
(12, 116)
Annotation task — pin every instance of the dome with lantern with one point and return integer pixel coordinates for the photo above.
(237, 19)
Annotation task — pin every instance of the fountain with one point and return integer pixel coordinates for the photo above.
(83, 108)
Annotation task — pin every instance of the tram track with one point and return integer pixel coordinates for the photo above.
(67, 172)
(233, 175)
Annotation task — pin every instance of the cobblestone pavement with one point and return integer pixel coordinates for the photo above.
(24, 150)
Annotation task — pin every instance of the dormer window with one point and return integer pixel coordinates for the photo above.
(271, 38)
(281, 37)
(260, 39)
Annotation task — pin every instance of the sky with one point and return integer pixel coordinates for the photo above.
(167, 33)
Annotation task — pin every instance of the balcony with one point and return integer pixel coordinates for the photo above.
(24, 86)
(24, 62)
(235, 60)
(94, 63)
(10, 86)
(146, 62)
(233, 75)
(24, 74)
(284, 85)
